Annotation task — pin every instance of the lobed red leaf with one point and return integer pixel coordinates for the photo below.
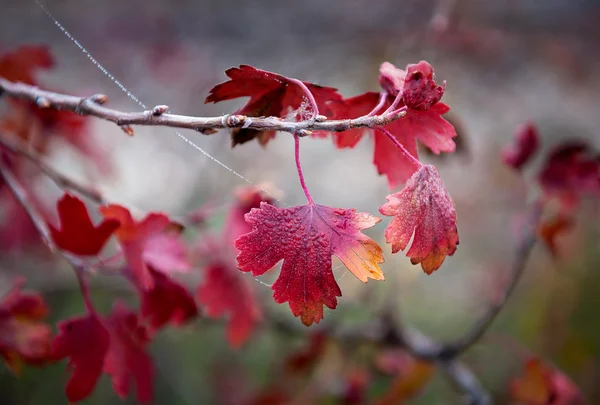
(167, 302)
(77, 233)
(85, 341)
(225, 293)
(150, 241)
(423, 208)
(270, 94)
(126, 359)
(306, 237)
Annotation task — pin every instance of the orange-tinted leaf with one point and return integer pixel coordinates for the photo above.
(551, 229)
(127, 359)
(306, 237)
(24, 337)
(77, 233)
(167, 302)
(526, 144)
(270, 94)
(147, 242)
(423, 208)
(411, 376)
(85, 341)
(542, 385)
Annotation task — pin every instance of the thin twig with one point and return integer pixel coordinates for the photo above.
(59, 179)
(464, 380)
(452, 350)
(92, 106)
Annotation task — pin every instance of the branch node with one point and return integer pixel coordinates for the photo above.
(320, 118)
(233, 120)
(99, 98)
(127, 129)
(160, 110)
(42, 102)
(207, 131)
(303, 132)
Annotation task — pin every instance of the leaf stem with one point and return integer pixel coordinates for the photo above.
(406, 153)
(299, 168)
(380, 104)
(309, 95)
(85, 290)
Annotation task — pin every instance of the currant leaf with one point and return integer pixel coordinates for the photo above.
(306, 237)
(270, 94)
(423, 208)
(77, 233)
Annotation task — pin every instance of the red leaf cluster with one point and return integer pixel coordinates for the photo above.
(33, 124)
(420, 96)
(305, 238)
(114, 345)
(270, 94)
(24, 337)
(423, 208)
(153, 241)
(542, 385)
(571, 170)
(225, 291)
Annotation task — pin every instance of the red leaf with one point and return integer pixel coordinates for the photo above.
(23, 335)
(126, 358)
(306, 237)
(270, 94)
(542, 385)
(77, 233)
(526, 144)
(148, 241)
(85, 341)
(427, 126)
(424, 208)
(391, 79)
(225, 292)
(420, 90)
(167, 302)
(571, 170)
(21, 64)
(352, 107)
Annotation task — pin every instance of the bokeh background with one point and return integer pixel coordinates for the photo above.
(505, 62)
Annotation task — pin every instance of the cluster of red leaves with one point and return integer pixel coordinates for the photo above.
(542, 385)
(116, 344)
(324, 371)
(570, 172)
(24, 337)
(420, 95)
(306, 237)
(38, 126)
(225, 291)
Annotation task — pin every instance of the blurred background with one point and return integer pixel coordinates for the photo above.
(505, 62)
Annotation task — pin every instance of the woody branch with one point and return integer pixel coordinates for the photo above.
(158, 116)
